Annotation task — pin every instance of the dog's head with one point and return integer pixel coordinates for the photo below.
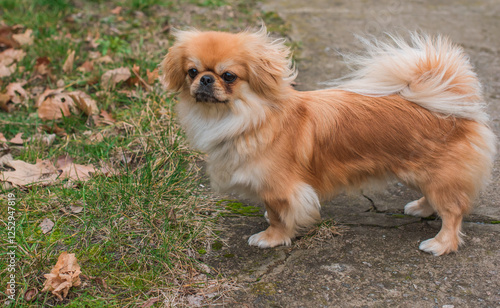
(219, 67)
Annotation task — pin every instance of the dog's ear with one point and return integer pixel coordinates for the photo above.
(171, 68)
(269, 64)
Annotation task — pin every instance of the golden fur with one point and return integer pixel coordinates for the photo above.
(421, 120)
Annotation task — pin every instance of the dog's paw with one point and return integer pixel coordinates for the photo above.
(415, 208)
(269, 238)
(436, 248)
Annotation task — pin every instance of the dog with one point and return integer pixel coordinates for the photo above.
(412, 110)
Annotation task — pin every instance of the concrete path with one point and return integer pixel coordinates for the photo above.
(376, 261)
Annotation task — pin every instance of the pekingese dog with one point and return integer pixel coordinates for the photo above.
(412, 111)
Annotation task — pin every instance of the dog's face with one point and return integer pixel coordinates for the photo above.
(219, 68)
(214, 68)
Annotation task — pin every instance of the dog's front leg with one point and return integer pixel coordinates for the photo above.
(278, 233)
(286, 215)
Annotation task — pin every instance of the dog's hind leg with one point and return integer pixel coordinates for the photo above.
(419, 208)
(450, 205)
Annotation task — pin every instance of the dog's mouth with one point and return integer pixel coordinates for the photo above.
(205, 97)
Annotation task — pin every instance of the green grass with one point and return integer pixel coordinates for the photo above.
(143, 229)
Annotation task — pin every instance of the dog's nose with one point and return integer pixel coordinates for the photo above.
(207, 80)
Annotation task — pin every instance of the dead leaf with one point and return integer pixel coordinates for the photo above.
(31, 294)
(17, 93)
(86, 67)
(84, 102)
(76, 209)
(46, 225)
(42, 66)
(104, 59)
(136, 70)
(2, 138)
(46, 93)
(112, 77)
(55, 130)
(6, 71)
(150, 302)
(106, 117)
(24, 38)
(72, 171)
(57, 106)
(47, 139)
(152, 76)
(97, 137)
(11, 55)
(24, 174)
(64, 275)
(6, 37)
(17, 139)
(116, 10)
(68, 64)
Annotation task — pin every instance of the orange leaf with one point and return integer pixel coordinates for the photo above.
(64, 275)
(152, 76)
(112, 77)
(68, 64)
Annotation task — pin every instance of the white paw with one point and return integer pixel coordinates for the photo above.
(266, 217)
(433, 246)
(262, 240)
(414, 209)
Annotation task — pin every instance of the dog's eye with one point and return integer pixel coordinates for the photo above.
(228, 77)
(192, 72)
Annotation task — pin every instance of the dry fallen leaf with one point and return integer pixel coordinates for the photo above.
(17, 93)
(2, 138)
(112, 77)
(87, 66)
(64, 275)
(17, 139)
(76, 209)
(54, 129)
(46, 225)
(6, 71)
(68, 64)
(150, 302)
(57, 106)
(42, 66)
(24, 174)
(104, 118)
(46, 93)
(152, 76)
(9, 56)
(72, 171)
(47, 139)
(84, 102)
(24, 38)
(6, 37)
(116, 10)
(104, 59)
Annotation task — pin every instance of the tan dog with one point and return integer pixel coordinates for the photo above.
(412, 111)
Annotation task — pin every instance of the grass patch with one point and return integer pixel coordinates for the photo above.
(143, 229)
(238, 208)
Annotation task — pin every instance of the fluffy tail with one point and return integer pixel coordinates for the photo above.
(431, 72)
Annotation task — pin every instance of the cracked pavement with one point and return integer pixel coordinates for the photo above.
(376, 261)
